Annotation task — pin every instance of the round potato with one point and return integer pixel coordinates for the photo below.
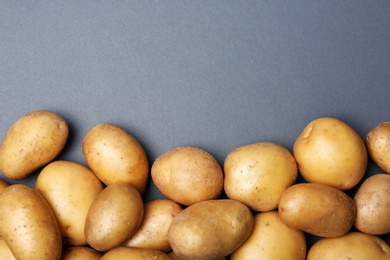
(378, 145)
(329, 151)
(69, 188)
(272, 239)
(318, 209)
(134, 253)
(373, 205)
(33, 140)
(353, 245)
(113, 216)
(116, 156)
(153, 231)
(80, 253)
(257, 174)
(210, 229)
(5, 252)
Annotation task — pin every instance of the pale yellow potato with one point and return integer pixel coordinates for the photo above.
(153, 231)
(318, 209)
(331, 152)
(372, 201)
(3, 185)
(134, 253)
(80, 253)
(28, 225)
(33, 140)
(353, 245)
(187, 175)
(5, 251)
(69, 188)
(257, 174)
(210, 229)
(113, 216)
(272, 239)
(115, 156)
(378, 145)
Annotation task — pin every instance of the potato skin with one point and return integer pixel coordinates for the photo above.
(80, 253)
(378, 145)
(33, 140)
(134, 253)
(28, 225)
(3, 184)
(5, 252)
(317, 209)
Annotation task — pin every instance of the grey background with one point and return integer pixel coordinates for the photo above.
(210, 74)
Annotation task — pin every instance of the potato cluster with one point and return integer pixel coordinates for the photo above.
(252, 207)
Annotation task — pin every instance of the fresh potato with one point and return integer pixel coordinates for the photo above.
(3, 185)
(353, 245)
(373, 205)
(34, 140)
(329, 151)
(257, 174)
(175, 257)
(272, 239)
(80, 253)
(116, 156)
(153, 231)
(210, 229)
(318, 209)
(134, 253)
(378, 145)
(28, 225)
(5, 251)
(188, 175)
(113, 216)
(69, 188)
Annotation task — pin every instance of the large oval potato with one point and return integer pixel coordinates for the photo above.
(69, 188)
(134, 253)
(28, 225)
(378, 145)
(210, 229)
(80, 253)
(33, 140)
(318, 209)
(329, 151)
(257, 174)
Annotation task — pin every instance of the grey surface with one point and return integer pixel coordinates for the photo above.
(210, 74)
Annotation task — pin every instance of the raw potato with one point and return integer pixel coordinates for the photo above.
(378, 145)
(373, 205)
(80, 253)
(175, 257)
(210, 229)
(70, 189)
(272, 239)
(153, 231)
(3, 185)
(33, 140)
(116, 156)
(353, 245)
(28, 225)
(5, 251)
(329, 151)
(188, 175)
(317, 209)
(257, 174)
(113, 216)
(134, 253)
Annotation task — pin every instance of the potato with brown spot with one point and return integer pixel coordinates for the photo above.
(378, 145)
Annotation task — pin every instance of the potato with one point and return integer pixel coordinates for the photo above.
(329, 151)
(80, 253)
(116, 156)
(175, 257)
(257, 174)
(69, 188)
(113, 216)
(33, 140)
(210, 229)
(5, 251)
(134, 253)
(3, 185)
(272, 239)
(28, 225)
(153, 231)
(187, 175)
(378, 145)
(353, 245)
(372, 202)
(318, 209)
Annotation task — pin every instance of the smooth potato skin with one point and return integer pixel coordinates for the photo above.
(80, 253)
(5, 252)
(378, 145)
(134, 253)
(28, 225)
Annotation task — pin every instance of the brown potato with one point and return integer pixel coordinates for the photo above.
(378, 145)
(134, 253)
(80, 253)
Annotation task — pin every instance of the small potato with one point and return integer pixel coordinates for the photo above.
(329, 151)
(153, 231)
(373, 205)
(188, 175)
(69, 188)
(272, 239)
(134, 253)
(113, 216)
(34, 140)
(175, 257)
(28, 225)
(317, 209)
(210, 229)
(5, 251)
(257, 174)
(378, 145)
(116, 156)
(80, 253)
(353, 245)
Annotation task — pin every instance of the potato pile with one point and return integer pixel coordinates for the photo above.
(252, 207)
